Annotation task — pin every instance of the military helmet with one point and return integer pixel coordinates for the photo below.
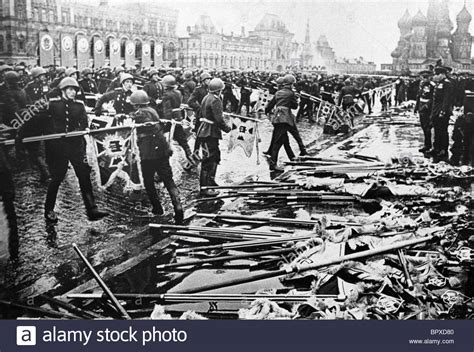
(169, 81)
(119, 69)
(289, 79)
(205, 75)
(4, 68)
(12, 77)
(86, 71)
(187, 74)
(215, 85)
(152, 72)
(139, 98)
(68, 82)
(20, 68)
(125, 76)
(280, 80)
(71, 71)
(37, 71)
(60, 70)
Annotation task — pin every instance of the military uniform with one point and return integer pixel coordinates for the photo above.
(440, 114)
(88, 86)
(154, 154)
(208, 135)
(121, 100)
(62, 116)
(155, 92)
(423, 106)
(188, 89)
(36, 90)
(245, 93)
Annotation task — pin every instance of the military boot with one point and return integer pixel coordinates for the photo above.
(93, 213)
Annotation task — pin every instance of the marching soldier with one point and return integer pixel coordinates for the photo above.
(154, 154)
(423, 106)
(154, 90)
(188, 85)
(73, 73)
(347, 95)
(245, 93)
(120, 96)
(87, 83)
(195, 101)
(209, 133)
(172, 111)
(38, 88)
(441, 112)
(116, 82)
(66, 114)
(60, 74)
(284, 101)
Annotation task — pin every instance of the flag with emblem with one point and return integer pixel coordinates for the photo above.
(264, 98)
(243, 134)
(115, 158)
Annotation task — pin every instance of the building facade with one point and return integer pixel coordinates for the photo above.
(426, 39)
(70, 33)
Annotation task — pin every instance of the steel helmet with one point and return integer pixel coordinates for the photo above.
(139, 98)
(12, 77)
(289, 79)
(86, 71)
(20, 68)
(125, 76)
(68, 82)
(60, 70)
(38, 71)
(187, 74)
(71, 71)
(152, 72)
(4, 68)
(169, 81)
(119, 69)
(204, 76)
(280, 80)
(216, 85)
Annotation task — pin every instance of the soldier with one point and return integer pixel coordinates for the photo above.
(228, 95)
(7, 197)
(172, 111)
(154, 90)
(120, 96)
(154, 154)
(87, 83)
(65, 114)
(441, 112)
(302, 86)
(283, 120)
(423, 106)
(73, 73)
(38, 88)
(188, 85)
(245, 93)
(195, 101)
(347, 95)
(209, 133)
(60, 74)
(116, 82)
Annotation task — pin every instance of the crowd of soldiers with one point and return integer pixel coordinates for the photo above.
(60, 97)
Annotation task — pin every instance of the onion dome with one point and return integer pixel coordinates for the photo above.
(396, 53)
(405, 21)
(419, 20)
(464, 16)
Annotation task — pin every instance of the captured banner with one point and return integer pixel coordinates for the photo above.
(114, 157)
(244, 134)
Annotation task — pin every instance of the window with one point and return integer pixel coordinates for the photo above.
(51, 16)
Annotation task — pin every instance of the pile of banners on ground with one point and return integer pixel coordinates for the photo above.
(360, 241)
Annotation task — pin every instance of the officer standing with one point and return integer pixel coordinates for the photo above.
(66, 114)
(87, 83)
(154, 154)
(423, 106)
(441, 112)
(120, 96)
(209, 133)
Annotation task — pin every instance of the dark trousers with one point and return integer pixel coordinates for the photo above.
(36, 156)
(179, 136)
(425, 121)
(162, 168)
(368, 102)
(441, 137)
(280, 137)
(58, 157)
(7, 194)
(244, 100)
(286, 145)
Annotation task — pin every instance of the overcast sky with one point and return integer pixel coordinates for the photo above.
(353, 27)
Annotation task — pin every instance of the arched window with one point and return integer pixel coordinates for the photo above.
(171, 51)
